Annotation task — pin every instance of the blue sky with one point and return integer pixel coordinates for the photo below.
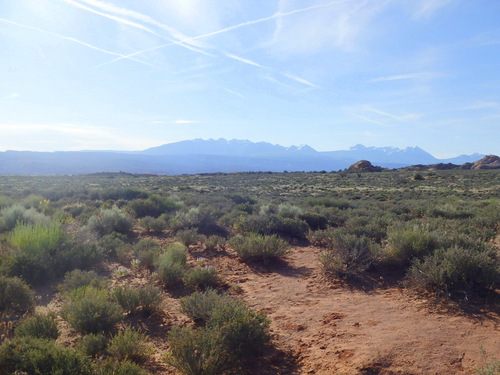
(128, 74)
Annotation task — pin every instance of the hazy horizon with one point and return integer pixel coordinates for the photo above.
(127, 75)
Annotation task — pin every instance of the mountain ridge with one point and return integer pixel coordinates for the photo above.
(214, 155)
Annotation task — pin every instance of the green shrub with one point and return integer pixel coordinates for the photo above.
(411, 241)
(152, 224)
(15, 296)
(199, 305)
(154, 206)
(129, 345)
(11, 216)
(108, 221)
(38, 253)
(244, 332)
(214, 242)
(201, 277)
(491, 366)
(197, 352)
(39, 326)
(93, 344)
(146, 299)
(347, 254)
(26, 355)
(147, 251)
(90, 311)
(113, 367)
(78, 278)
(172, 265)
(455, 269)
(259, 247)
(288, 210)
(188, 236)
(314, 220)
(112, 244)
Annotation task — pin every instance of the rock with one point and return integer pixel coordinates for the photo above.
(364, 166)
(488, 162)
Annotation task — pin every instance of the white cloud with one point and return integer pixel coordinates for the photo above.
(483, 105)
(404, 77)
(367, 119)
(185, 122)
(234, 93)
(14, 95)
(427, 8)
(246, 61)
(408, 117)
(301, 80)
(74, 40)
(334, 24)
(70, 137)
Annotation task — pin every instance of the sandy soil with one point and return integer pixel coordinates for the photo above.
(334, 329)
(324, 328)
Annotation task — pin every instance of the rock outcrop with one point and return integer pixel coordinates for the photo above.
(364, 166)
(488, 162)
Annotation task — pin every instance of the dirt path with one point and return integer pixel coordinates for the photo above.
(337, 330)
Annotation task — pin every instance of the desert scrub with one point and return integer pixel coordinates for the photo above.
(113, 367)
(201, 277)
(26, 355)
(146, 299)
(199, 305)
(39, 326)
(15, 296)
(259, 247)
(78, 278)
(89, 310)
(188, 236)
(147, 251)
(408, 242)
(197, 351)
(456, 269)
(11, 216)
(129, 344)
(172, 265)
(108, 221)
(348, 255)
(214, 243)
(92, 344)
(244, 332)
(152, 224)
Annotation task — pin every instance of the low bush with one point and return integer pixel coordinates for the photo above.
(26, 355)
(108, 221)
(314, 220)
(348, 255)
(147, 251)
(201, 277)
(15, 296)
(39, 326)
(146, 299)
(152, 224)
(113, 367)
(259, 247)
(188, 236)
(199, 305)
(411, 241)
(197, 352)
(172, 265)
(214, 243)
(93, 344)
(89, 310)
(15, 214)
(456, 269)
(244, 332)
(78, 278)
(129, 345)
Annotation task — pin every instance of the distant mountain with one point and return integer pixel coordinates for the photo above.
(210, 156)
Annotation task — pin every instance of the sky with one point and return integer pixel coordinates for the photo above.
(129, 75)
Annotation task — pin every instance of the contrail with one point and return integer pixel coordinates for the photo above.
(120, 56)
(226, 29)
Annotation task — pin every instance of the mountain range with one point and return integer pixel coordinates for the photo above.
(211, 156)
